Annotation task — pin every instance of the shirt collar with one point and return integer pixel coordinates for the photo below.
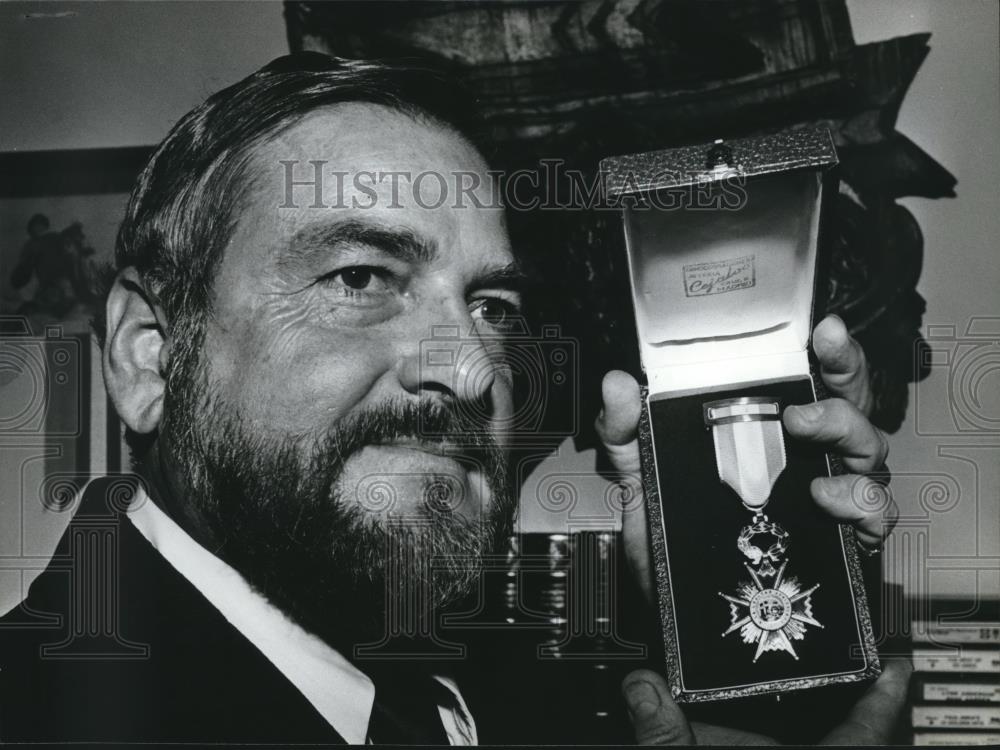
(340, 692)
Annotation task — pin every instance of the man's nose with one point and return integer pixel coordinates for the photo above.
(450, 362)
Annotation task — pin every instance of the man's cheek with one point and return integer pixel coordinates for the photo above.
(305, 391)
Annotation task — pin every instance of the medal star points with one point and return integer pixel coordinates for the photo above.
(772, 617)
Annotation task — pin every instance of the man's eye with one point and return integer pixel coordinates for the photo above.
(368, 279)
(496, 312)
(359, 277)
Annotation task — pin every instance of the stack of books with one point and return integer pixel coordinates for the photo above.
(956, 680)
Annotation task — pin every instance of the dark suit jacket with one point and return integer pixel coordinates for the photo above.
(113, 644)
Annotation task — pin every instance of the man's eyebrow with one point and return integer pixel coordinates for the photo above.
(401, 243)
(511, 276)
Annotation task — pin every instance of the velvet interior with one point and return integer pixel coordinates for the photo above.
(703, 518)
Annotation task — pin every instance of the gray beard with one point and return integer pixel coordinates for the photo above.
(277, 512)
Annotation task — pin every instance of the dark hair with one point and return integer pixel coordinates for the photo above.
(184, 206)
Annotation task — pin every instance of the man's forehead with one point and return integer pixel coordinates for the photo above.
(367, 135)
(373, 157)
(367, 164)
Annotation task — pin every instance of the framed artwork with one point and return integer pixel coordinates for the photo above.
(59, 214)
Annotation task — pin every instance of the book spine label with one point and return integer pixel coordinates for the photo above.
(930, 660)
(960, 691)
(956, 717)
(931, 739)
(965, 632)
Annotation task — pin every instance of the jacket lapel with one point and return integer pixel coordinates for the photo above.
(140, 654)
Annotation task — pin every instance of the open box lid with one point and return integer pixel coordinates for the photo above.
(722, 243)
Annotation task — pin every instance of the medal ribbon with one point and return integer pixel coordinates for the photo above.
(749, 446)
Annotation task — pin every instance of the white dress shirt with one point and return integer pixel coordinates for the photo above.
(341, 693)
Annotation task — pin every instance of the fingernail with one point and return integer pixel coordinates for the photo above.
(642, 698)
(809, 412)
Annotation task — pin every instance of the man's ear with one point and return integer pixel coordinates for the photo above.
(135, 353)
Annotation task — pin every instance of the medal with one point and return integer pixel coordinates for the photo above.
(770, 609)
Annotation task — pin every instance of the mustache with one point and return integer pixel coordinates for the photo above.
(465, 431)
(316, 460)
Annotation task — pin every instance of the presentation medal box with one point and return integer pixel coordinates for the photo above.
(759, 590)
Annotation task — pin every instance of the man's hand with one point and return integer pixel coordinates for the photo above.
(657, 720)
(839, 423)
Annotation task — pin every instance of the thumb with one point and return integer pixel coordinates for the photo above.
(843, 365)
(618, 421)
(617, 427)
(873, 718)
(656, 719)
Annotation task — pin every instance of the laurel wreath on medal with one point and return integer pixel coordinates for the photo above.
(756, 555)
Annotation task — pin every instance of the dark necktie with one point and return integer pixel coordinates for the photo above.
(405, 711)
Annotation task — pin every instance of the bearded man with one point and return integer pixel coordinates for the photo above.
(262, 344)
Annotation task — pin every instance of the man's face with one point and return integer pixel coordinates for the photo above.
(330, 362)
(321, 312)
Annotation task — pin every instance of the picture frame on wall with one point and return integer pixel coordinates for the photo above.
(59, 215)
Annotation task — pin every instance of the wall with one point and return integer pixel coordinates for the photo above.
(946, 475)
(90, 75)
